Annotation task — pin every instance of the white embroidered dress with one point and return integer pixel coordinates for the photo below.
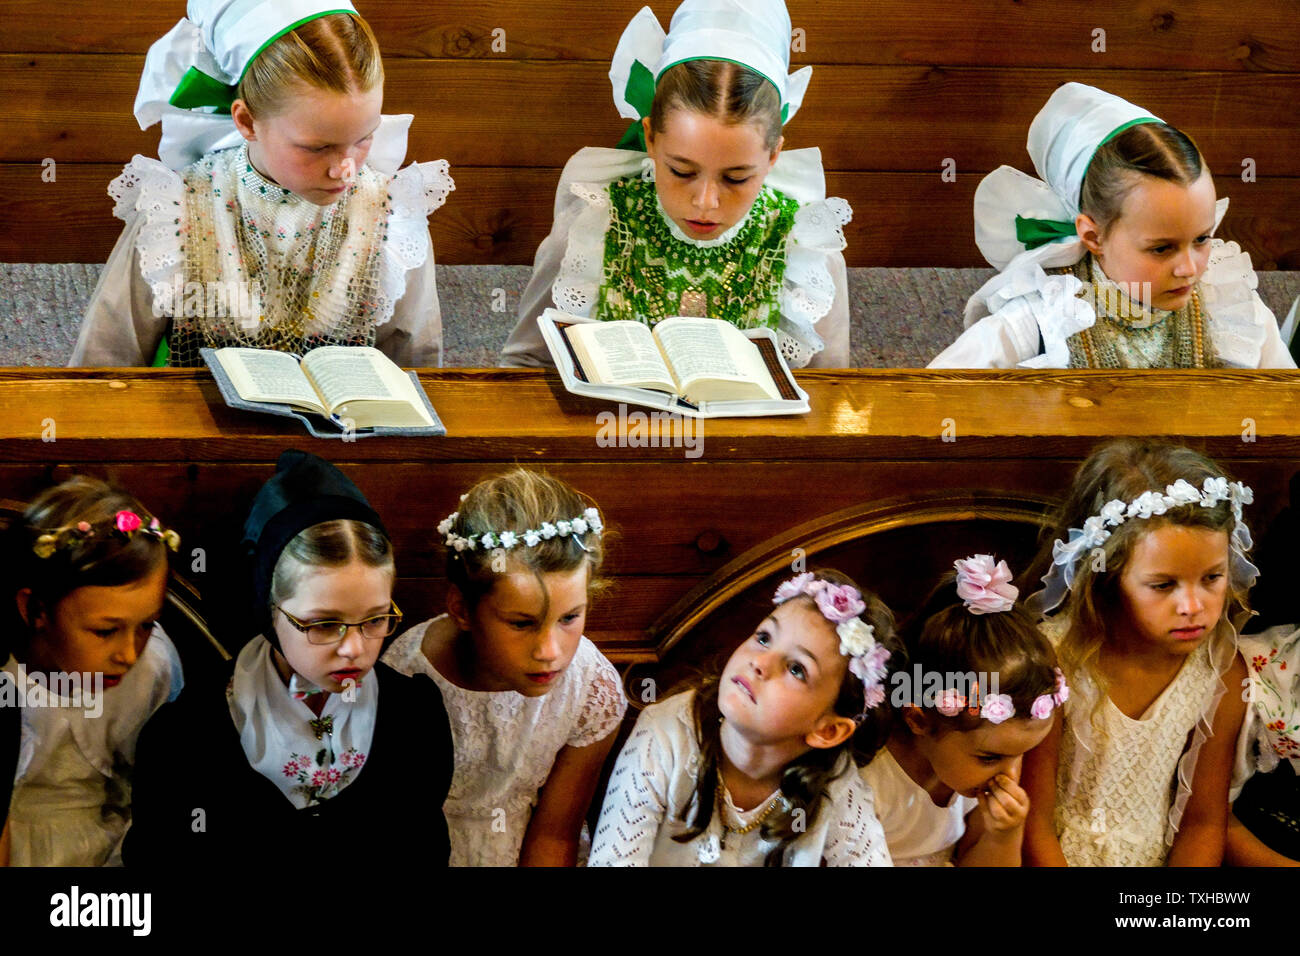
(813, 328)
(1122, 784)
(655, 777)
(919, 832)
(218, 246)
(71, 803)
(506, 743)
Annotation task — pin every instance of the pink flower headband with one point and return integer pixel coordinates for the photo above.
(985, 587)
(125, 523)
(995, 708)
(841, 604)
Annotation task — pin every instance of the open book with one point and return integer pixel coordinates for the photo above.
(354, 387)
(703, 368)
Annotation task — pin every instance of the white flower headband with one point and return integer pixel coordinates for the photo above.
(1059, 578)
(841, 604)
(489, 540)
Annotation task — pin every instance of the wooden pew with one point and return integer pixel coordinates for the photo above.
(508, 89)
(889, 475)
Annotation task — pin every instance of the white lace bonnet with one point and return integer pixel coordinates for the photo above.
(1014, 211)
(753, 33)
(192, 72)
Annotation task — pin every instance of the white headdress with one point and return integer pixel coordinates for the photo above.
(191, 73)
(753, 33)
(1015, 212)
(1066, 555)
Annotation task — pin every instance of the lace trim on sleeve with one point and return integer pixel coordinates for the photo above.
(856, 838)
(577, 285)
(416, 192)
(148, 188)
(1228, 294)
(605, 705)
(808, 290)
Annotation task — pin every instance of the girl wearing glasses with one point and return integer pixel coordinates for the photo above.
(291, 749)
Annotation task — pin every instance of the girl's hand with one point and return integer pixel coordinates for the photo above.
(1004, 805)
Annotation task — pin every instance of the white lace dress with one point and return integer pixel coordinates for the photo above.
(813, 327)
(655, 777)
(262, 258)
(506, 743)
(71, 803)
(919, 832)
(1024, 305)
(1122, 784)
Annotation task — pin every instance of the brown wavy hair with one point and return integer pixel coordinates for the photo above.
(805, 781)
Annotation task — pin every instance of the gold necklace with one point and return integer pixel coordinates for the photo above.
(772, 801)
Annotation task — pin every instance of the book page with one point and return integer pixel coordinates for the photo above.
(621, 353)
(711, 353)
(363, 384)
(261, 375)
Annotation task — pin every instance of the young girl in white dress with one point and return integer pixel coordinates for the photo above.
(1109, 260)
(979, 689)
(1148, 571)
(87, 664)
(758, 766)
(277, 217)
(534, 705)
(702, 213)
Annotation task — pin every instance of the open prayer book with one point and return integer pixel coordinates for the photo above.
(702, 368)
(356, 388)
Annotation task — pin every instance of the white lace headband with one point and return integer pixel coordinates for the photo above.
(589, 522)
(1059, 578)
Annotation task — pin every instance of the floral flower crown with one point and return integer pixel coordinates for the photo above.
(996, 708)
(841, 604)
(588, 522)
(125, 523)
(1066, 555)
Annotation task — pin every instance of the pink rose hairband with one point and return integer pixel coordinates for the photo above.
(125, 523)
(841, 604)
(986, 588)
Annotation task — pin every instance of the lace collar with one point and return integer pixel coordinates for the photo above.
(1111, 298)
(258, 185)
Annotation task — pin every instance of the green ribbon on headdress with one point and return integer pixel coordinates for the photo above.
(640, 95)
(1039, 232)
(197, 89)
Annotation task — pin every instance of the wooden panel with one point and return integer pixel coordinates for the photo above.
(1187, 35)
(501, 215)
(872, 439)
(483, 113)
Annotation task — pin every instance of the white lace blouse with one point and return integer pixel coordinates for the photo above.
(506, 743)
(1122, 784)
(654, 779)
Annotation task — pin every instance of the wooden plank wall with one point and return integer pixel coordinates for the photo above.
(899, 86)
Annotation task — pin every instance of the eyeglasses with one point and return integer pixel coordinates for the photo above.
(331, 632)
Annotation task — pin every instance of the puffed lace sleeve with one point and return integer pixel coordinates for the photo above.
(407, 290)
(602, 710)
(636, 800)
(856, 838)
(1244, 329)
(814, 326)
(122, 326)
(1009, 315)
